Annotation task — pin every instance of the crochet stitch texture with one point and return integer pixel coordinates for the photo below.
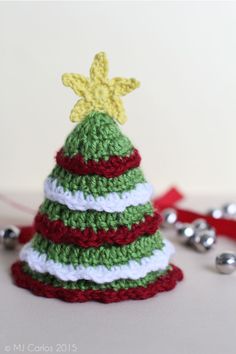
(97, 234)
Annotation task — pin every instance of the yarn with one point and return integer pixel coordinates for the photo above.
(95, 219)
(100, 274)
(97, 185)
(112, 202)
(86, 284)
(57, 232)
(99, 93)
(113, 167)
(164, 283)
(107, 255)
(97, 137)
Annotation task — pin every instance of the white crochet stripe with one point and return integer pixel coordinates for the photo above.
(38, 262)
(112, 202)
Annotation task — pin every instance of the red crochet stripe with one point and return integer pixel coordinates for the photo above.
(57, 232)
(113, 167)
(164, 283)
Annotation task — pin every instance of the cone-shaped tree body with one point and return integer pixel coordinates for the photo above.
(97, 236)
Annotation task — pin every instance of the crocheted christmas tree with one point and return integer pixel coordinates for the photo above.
(97, 234)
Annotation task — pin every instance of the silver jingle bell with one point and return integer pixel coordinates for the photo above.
(169, 217)
(226, 263)
(9, 236)
(185, 231)
(229, 210)
(200, 225)
(203, 240)
(216, 213)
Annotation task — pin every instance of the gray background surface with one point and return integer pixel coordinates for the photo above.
(198, 317)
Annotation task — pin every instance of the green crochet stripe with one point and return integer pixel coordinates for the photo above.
(95, 184)
(95, 219)
(85, 284)
(106, 255)
(97, 137)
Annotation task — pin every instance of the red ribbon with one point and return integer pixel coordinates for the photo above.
(224, 227)
(26, 233)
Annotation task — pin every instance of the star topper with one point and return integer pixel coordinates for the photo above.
(98, 92)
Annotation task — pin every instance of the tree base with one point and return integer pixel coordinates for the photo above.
(164, 283)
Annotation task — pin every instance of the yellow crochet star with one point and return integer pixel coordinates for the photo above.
(98, 92)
